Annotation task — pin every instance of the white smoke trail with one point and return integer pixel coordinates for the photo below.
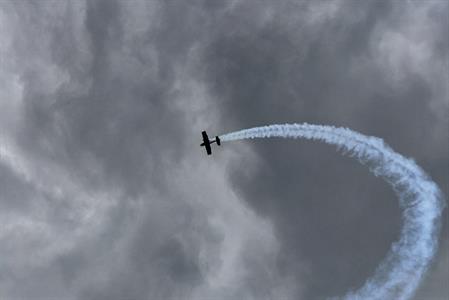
(421, 201)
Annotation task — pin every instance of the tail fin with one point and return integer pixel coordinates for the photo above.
(217, 139)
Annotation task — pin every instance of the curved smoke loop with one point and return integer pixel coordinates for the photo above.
(421, 201)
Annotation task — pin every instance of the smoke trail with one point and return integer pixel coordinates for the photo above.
(421, 201)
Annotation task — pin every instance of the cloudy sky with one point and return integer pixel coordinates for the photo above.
(106, 194)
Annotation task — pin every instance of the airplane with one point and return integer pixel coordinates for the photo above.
(206, 142)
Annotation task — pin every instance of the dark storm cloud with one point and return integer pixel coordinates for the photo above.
(330, 72)
(101, 176)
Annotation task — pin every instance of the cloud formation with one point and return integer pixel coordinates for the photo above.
(106, 194)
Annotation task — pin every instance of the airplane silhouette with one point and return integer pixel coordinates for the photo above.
(206, 142)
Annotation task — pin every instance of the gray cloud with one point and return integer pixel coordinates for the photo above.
(339, 71)
(103, 189)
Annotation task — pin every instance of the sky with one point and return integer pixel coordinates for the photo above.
(106, 194)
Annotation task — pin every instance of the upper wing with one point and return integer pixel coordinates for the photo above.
(205, 137)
